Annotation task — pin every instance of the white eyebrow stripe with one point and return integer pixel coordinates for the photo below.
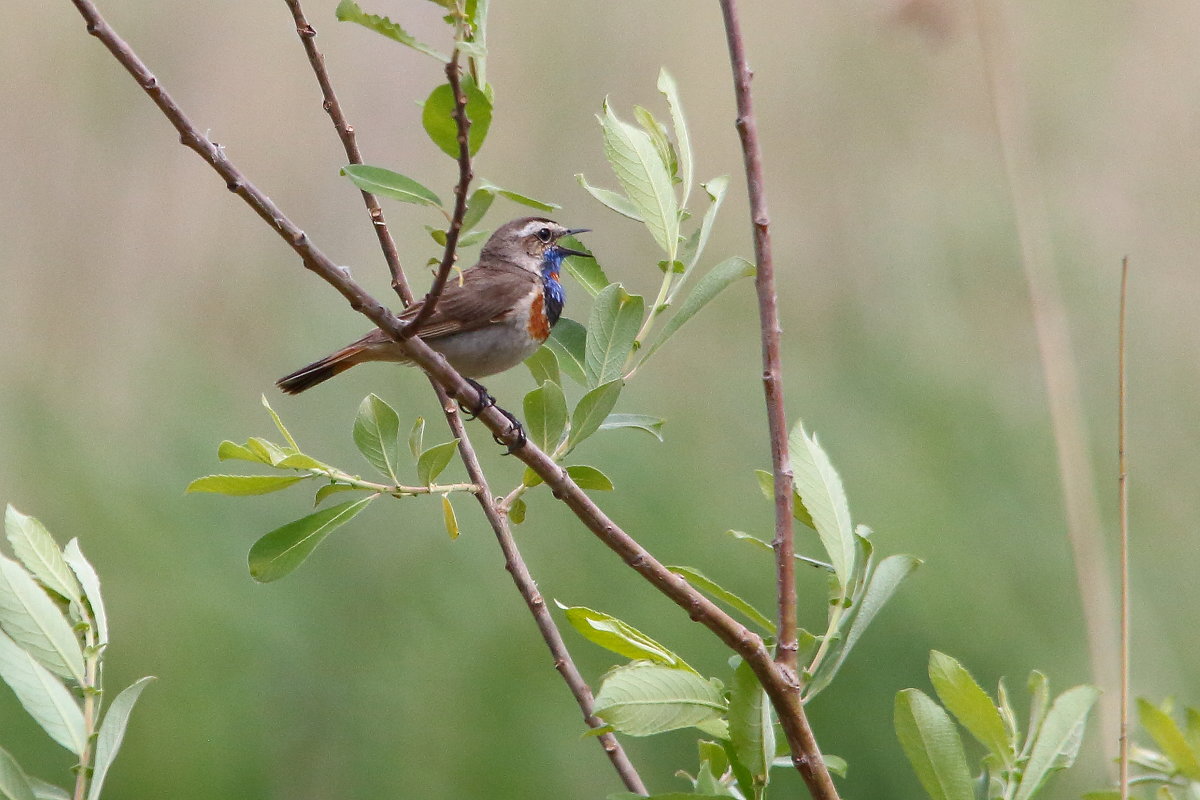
(531, 226)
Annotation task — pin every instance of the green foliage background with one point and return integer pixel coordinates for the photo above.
(143, 311)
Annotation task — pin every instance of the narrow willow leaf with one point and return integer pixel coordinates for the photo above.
(31, 618)
(416, 437)
(434, 460)
(693, 248)
(713, 589)
(722, 276)
(516, 513)
(335, 488)
(112, 733)
(667, 796)
(543, 366)
(438, 118)
(36, 549)
(1169, 738)
(349, 11)
(641, 422)
(546, 415)
(47, 791)
(662, 143)
(764, 545)
(621, 637)
(14, 783)
(1039, 702)
(766, 482)
(377, 435)
(931, 743)
(283, 549)
(1193, 728)
(568, 340)
(751, 726)
(821, 489)
(90, 582)
(267, 452)
(667, 85)
(586, 477)
(42, 695)
(614, 201)
(587, 271)
(645, 180)
(641, 699)
(243, 485)
(448, 517)
(477, 206)
(283, 431)
(1059, 739)
(380, 181)
(302, 461)
(517, 197)
(970, 705)
(592, 410)
(612, 326)
(229, 450)
(471, 238)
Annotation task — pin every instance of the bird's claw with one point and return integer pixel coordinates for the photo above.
(484, 400)
(514, 427)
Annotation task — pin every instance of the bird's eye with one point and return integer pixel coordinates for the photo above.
(544, 234)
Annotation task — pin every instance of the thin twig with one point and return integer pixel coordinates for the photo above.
(805, 753)
(738, 637)
(513, 560)
(454, 76)
(1123, 504)
(345, 131)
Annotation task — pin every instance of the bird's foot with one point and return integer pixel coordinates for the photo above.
(514, 427)
(483, 401)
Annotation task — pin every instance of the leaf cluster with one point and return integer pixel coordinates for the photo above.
(1171, 769)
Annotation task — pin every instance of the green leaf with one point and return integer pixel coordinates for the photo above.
(662, 142)
(821, 489)
(14, 783)
(42, 695)
(112, 733)
(1169, 738)
(641, 699)
(349, 11)
(721, 277)
(380, 181)
(587, 271)
(543, 366)
(1059, 739)
(438, 118)
(36, 549)
(931, 743)
(612, 327)
(516, 513)
(416, 437)
(267, 452)
(765, 546)
(693, 248)
(546, 416)
(47, 791)
(713, 589)
(645, 180)
(471, 238)
(448, 517)
(641, 422)
(614, 201)
(667, 796)
(228, 450)
(377, 434)
(434, 460)
(667, 85)
(751, 727)
(592, 410)
(302, 461)
(970, 705)
(283, 549)
(568, 340)
(1039, 703)
(590, 478)
(31, 618)
(477, 205)
(335, 488)
(283, 431)
(243, 485)
(517, 197)
(766, 482)
(1193, 728)
(621, 637)
(90, 582)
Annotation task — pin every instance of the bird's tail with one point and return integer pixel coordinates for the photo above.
(324, 369)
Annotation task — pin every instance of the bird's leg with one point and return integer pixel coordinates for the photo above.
(483, 401)
(514, 426)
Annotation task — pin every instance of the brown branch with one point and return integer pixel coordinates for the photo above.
(345, 131)
(805, 753)
(513, 560)
(454, 76)
(780, 688)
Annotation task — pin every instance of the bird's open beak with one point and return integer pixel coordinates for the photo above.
(567, 251)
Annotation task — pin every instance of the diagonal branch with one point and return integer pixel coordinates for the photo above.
(807, 759)
(513, 560)
(780, 688)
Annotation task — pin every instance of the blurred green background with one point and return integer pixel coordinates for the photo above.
(144, 310)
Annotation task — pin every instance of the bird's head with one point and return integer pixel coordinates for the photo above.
(532, 243)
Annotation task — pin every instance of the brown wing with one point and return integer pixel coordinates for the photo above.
(485, 295)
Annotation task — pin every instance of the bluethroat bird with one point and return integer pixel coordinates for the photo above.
(491, 319)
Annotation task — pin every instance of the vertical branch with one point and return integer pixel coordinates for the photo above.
(345, 131)
(806, 755)
(1123, 507)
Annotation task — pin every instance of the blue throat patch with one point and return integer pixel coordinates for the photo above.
(552, 290)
